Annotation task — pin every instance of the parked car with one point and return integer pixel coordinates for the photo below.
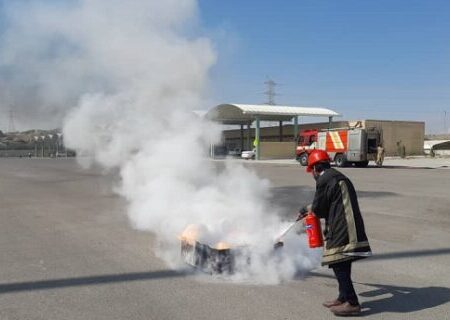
(248, 154)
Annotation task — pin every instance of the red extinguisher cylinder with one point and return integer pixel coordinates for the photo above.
(313, 230)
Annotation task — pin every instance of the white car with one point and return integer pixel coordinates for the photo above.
(248, 154)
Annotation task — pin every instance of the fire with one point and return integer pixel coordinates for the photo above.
(194, 232)
(190, 234)
(222, 246)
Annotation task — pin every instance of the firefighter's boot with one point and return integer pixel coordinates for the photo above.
(346, 309)
(332, 303)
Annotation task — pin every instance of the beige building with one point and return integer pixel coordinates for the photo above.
(279, 141)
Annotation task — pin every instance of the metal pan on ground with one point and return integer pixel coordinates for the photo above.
(221, 258)
(212, 260)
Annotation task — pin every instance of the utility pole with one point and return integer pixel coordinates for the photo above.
(50, 145)
(11, 126)
(43, 145)
(59, 142)
(446, 131)
(36, 138)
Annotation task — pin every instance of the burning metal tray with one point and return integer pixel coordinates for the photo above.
(218, 259)
(208, 259)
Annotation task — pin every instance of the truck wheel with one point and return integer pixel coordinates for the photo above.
(303, 159)
(362, 164)
(340, 160)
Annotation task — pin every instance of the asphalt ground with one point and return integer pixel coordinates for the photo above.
(67, 250)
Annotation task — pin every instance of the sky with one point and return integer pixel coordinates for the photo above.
(364, 59)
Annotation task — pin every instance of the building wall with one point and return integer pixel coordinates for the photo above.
(277, 150)
(399, 134)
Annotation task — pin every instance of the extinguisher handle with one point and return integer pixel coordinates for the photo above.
(303, 212)
(301, 216)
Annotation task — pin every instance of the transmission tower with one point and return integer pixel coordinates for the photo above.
(270, 91)
(11, 126)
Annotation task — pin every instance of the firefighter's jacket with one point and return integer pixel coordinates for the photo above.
(335, 201)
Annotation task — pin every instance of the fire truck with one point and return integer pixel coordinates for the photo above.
(345, 146)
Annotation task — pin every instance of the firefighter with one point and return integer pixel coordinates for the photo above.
(335, 201)
(380, 155)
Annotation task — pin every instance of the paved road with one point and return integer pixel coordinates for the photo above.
(67, 251)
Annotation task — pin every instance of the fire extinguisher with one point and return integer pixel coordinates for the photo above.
(313, 230)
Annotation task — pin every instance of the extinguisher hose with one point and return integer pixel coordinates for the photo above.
(286, 231)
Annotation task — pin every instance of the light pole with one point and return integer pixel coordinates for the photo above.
(445, 122)
(43, 144)
(50, 144)
(58, 136)
(36, 138)
(61, 143)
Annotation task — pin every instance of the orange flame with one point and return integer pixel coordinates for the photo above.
(190, 234)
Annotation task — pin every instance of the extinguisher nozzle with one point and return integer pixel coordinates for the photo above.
(278, 244)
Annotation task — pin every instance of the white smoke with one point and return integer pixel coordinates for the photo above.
(127, 75)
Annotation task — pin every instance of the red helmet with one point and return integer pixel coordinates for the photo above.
(315, 157)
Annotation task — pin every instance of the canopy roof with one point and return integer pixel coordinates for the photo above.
(437, 144)
(247, 113)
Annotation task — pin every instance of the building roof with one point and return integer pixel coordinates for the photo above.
(247, 113)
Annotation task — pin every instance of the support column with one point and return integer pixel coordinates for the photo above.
(330, 121)
(249, 137)
(242, 137)
(211, 151)
(257, 139)
(281, 131)
(295, 129)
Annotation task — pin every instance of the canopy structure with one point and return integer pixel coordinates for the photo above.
(436, 146)
(246, 114)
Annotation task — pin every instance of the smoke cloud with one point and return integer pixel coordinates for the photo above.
(124, 77)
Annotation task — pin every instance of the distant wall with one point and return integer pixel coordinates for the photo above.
(400, 134)
(277, 150)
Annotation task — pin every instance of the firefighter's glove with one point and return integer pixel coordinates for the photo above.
(302, 213)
